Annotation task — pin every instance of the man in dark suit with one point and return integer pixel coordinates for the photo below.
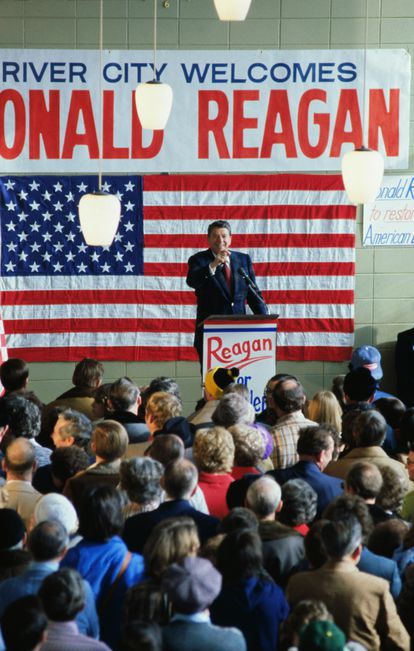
(404, 366)
(179, 482)
(315, 448)
(219, 287)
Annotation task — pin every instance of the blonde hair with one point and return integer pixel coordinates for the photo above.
(213, 450)
(325, 408)
(170, 542)
(110, 440)
(249, 445)
(162, 406)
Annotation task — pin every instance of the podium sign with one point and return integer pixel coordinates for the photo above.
(248, 343)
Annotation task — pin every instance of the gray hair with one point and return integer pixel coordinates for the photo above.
(232, 410)
(140, 478)
(263, 496)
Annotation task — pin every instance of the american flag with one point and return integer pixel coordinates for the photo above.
(62, 299)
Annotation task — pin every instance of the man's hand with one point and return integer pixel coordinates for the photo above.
(222, 257)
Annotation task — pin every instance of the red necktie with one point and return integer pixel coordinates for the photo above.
(227, 275)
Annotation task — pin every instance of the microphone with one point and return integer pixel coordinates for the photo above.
(246, 277)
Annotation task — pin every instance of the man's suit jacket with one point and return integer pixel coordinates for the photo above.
(182, 635)
(212, 292)
(372, 454)
(326, 488)
(138, 527)
(404, 366)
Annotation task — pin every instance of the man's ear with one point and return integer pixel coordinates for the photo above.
(139, 400)
(279, 506)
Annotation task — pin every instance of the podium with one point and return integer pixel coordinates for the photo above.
(247, 342)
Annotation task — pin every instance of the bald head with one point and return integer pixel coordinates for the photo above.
(180, 479)
(288, 396)
(19, 457)
(263, 497)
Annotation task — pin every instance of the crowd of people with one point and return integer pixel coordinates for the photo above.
(126, 525)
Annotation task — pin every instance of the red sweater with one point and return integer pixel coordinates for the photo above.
(215, 489)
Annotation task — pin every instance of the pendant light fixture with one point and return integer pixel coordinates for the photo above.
(99, 212)
(232, 9)
(154, 99)
(363, 168)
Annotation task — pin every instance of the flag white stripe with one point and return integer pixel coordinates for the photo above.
(149, 311)
(167, 283)
(314, 339)
(245, 198)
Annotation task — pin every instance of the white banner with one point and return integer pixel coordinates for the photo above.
(389, 220)
(247, 345)
(233, 111)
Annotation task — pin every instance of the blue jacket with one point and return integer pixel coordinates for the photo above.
(138, 527)
(383, 567)
(29, 583)
(256, 607)
(99, 564)
(326, 487)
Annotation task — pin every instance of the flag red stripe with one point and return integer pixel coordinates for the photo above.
(174, 269)
(26, 326)
(311, 353)
(47, 297)
(209, 183)
(279, 212)
(256, 240)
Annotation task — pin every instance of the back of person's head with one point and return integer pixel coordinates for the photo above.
(213, 450)
(359, 385)
(249, 445)
(161, 406)
(123, 394)
(140, 479)
(289, 395)
(347, 505)
(315, 550)
(217, 379)
(392, 409)
(393, 490)
(337, 389)
(238, 387)
(240, 555)
(341, 538)
(54, 506)
(19, 457)
(62, 594)
(180, 479)
(169, 542)
(138, 634)
(23, 624)
(387, 536)
(100, 405)
(66, 462)
(300, 503)
(164, 383)
(325, 408)
(364, 479)
(88, 373)
(238, 518)
(304, 612)
(14, 374)
(166, 449)
(263, 496)
(47, 540)
(12, 530)
(100, 513)
(74, 424)
(109, 440)
(314, 439)
(191, 584)
(233, 409)
(369, 428)
(23, 416)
